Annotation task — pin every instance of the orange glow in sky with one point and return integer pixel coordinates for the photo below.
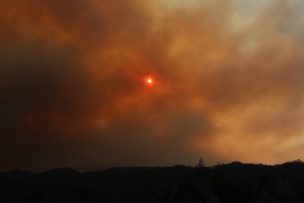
(149, 81)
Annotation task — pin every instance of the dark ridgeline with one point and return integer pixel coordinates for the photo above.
(234, 182)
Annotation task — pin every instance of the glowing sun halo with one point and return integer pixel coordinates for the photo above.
(149, 81)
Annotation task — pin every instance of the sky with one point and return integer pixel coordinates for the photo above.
(227, 82)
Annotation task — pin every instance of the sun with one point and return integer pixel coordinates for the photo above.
(149, 81)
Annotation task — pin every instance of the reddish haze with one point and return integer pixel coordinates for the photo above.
(227, 80)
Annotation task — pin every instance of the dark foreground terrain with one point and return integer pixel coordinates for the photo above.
(235, 182)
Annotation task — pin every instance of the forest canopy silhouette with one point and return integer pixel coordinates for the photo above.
(233, 182)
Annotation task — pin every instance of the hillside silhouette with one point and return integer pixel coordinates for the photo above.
(233, 182)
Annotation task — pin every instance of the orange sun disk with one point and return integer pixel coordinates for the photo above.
(149, 81)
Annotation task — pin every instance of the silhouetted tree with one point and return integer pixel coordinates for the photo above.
(201, 163)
